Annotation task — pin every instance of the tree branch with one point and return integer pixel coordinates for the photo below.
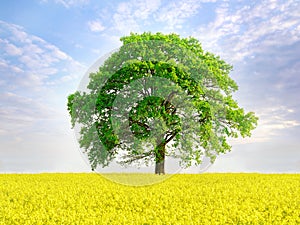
(131, 121)
(172, 135)
(137, 157)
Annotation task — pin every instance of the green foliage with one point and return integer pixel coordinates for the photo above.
(197, 98)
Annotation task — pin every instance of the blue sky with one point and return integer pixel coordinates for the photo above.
(46, 46)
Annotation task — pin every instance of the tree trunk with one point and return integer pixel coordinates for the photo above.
(160, 159)
(160, 167)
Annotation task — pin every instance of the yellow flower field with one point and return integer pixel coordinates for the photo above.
(181, 199)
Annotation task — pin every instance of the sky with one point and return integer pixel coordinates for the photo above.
(46, 46)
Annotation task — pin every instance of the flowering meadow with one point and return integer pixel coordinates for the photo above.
(181, 199)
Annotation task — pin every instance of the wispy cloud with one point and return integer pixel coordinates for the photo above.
(274, 120)
(30, 62)
(137, 15)
(12, 49)
(68, 3)
(262, 40)
(129, 15)
(245, 30)
(141, 15)
(175, 13)
(32, 71)
(144, 9)
(18, 112)
(96, 26)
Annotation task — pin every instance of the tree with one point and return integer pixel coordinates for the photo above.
(157, 96)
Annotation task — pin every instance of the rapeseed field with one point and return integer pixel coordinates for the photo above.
(181, 199)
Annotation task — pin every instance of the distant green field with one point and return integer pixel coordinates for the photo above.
(180, 199)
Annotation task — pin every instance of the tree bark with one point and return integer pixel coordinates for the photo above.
(160, 159)
(160, 167)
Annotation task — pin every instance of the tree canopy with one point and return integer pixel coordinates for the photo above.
(156, 96)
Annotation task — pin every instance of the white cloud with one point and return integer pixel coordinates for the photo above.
(246, 30)
(124, 20)
(175, 13)
(66, 78)
(146, 8)
(6, 66)
(3, 63)
(68, 3)
(30, 62)
(273, 120)
(17, 33)
(13, 50)
(125, 23)
(60, 54)
(288, 77)
(96, 26)
(135, 15)
(31, 92)
(18, 113)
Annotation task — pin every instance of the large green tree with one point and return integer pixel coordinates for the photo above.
(157, 96)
